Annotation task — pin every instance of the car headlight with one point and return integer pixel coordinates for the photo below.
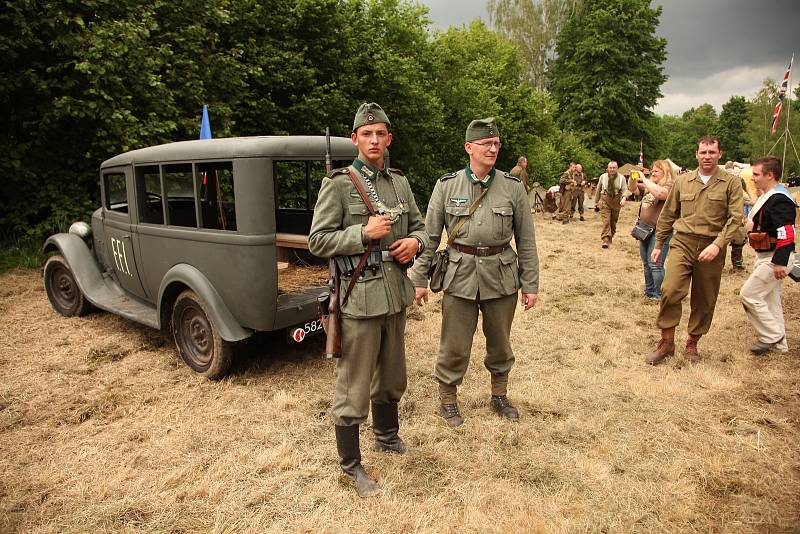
(81, 229)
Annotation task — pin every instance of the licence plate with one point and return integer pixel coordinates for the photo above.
(311, 328)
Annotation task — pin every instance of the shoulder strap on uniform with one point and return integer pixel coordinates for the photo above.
(361, 191)
(337, 172)
(511, 176)
(448, 176)
(396, 171)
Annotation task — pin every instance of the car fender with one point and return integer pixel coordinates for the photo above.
(218, 312)
(82, 263)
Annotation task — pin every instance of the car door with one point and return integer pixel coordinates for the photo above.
(118, 203)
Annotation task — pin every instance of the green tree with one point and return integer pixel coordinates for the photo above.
(534, 26)
(732, 124)
(607, 74)
(759, 139)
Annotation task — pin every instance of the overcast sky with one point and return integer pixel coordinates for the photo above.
(715, 48)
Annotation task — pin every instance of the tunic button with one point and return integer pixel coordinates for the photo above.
(480, 223)
(480, 261)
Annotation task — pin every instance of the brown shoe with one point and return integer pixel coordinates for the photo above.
(690, 352)
(665, 347)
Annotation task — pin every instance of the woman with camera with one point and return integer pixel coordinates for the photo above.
(654, 191)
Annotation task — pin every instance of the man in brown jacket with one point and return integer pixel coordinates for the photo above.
(704, 209)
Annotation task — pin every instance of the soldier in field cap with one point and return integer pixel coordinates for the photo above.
(372, 366)
(484, 273)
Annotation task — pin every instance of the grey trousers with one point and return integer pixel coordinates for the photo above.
(459, 322)
(372, 366)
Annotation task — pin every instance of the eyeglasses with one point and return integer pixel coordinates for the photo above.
(487, 146)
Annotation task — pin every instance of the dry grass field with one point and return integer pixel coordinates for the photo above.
(103, 429)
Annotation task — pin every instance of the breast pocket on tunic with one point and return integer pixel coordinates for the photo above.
(454, 214)
(502, 222)
(357, 214)
(687, 203)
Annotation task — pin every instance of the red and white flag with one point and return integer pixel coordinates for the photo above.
(776, 115)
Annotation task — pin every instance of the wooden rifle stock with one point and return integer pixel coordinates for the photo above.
(331, 319)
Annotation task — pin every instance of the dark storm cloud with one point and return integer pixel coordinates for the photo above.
(712, 36)
(715, 48)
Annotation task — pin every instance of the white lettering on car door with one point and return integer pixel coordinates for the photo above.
(120, 258)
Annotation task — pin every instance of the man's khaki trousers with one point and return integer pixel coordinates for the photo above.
(683, 270)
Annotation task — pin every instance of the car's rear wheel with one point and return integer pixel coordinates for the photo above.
(62, 290)
(198, 341)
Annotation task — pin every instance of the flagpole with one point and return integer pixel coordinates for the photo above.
(788, 111)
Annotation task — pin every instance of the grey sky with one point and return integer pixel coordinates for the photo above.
(716, 48)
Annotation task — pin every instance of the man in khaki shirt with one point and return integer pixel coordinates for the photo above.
(578, 191)
(609, 198)
(704, 210)
(484, 273)
(520, 172)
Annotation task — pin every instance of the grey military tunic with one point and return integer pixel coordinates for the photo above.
(373, 319)
(476, 282)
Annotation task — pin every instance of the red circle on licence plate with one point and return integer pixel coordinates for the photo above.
(298, 334)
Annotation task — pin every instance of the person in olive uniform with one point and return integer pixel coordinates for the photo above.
(520, 172)
(484, 273)
(565, 189)
(578, 191)
(704, 209)
(372, 366)
(609, 198)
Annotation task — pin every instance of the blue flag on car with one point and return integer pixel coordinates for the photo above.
(205, 124)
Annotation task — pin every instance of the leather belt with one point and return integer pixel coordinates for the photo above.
(480, 251)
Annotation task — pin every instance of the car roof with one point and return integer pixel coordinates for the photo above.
(236, 147)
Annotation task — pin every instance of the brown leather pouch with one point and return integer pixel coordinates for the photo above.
(759, 241)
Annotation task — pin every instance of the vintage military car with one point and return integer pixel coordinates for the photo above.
(189, 237)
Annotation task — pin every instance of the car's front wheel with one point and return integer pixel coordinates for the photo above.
(198, 341)
(62, 290)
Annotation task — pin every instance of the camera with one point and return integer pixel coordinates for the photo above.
(794, 274)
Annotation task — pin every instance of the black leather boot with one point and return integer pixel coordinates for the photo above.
(736, 257)
(350, 461)
(385, 425)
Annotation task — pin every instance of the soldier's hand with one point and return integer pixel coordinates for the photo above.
(655, 256)
(528, 300)
(421, 296)
(708, 253)
(404, 250)
(377, 226)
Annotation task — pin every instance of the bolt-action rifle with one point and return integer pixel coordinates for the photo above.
(329, 304)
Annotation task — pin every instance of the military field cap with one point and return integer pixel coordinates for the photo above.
(369, 113)
(482, 129)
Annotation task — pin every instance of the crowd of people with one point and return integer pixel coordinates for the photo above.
(685, 223)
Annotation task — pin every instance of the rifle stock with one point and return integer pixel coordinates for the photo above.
(331, 320)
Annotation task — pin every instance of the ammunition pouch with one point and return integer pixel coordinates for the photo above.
(347, 264)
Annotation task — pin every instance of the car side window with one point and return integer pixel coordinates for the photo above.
(179, 187)
(116, 192)
(151, 202)
(297, 183)
(217, 205)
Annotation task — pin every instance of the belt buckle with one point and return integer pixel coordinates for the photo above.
(481, 251)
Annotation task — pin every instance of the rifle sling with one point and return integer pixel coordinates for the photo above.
(363, 260)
